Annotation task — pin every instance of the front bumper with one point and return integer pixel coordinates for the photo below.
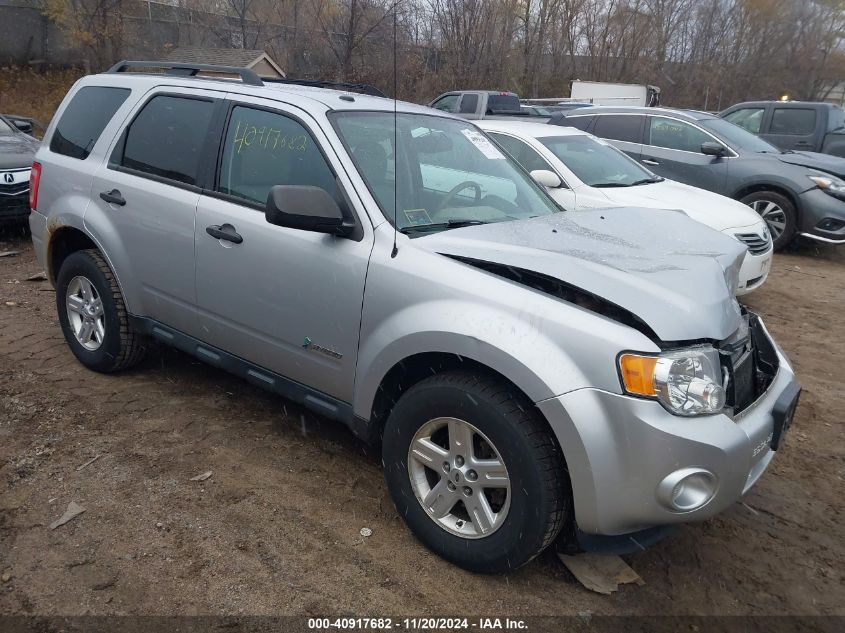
(754, 272)
(818, 210)
(14, 195)
(619, 449)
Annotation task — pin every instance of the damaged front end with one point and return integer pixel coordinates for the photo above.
(749, 363)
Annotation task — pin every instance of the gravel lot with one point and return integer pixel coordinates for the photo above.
(275, 529)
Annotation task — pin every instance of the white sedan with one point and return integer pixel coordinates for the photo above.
(581, 171)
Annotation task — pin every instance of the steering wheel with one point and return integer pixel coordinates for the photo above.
(457, 189)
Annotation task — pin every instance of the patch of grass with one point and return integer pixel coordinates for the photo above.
(27, 92)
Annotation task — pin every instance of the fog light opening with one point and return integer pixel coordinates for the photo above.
(687, 489)
(830, 224)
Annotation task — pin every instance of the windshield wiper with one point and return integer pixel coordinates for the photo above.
(450, 224)
(645, 181)
(642, 181)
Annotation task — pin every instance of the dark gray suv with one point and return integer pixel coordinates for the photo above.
(705, 151)
(17, 151)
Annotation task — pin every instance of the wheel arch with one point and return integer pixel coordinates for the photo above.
(412, 369)
(748, 189)
(64, 241)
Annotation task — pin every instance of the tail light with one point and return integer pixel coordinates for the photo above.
(34, 181)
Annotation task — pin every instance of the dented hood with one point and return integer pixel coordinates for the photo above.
(675, 274)
(814, 160)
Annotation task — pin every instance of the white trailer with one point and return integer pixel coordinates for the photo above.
(599, 93)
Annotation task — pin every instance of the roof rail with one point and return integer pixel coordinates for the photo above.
(366, 89)
(249, 77)
(184, 69)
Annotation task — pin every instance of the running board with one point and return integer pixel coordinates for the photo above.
(312, 399)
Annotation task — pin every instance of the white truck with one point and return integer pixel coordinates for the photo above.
(610, 94)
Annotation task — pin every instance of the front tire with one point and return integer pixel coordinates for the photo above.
(475, 472)
(93, 316)
(778, 212)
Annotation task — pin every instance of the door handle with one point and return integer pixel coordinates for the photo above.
(113, 197)
(648, 161)
(224, 232)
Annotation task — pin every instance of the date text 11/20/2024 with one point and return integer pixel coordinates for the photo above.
(418, 624)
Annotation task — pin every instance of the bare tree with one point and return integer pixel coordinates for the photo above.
(95, 25)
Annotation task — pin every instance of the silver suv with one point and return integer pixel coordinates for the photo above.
(529, 373)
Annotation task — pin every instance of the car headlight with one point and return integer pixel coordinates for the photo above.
(829, 184)
(686, 382)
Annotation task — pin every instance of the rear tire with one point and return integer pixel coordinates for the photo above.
(475, 424)
(778, 212)
(93, 316)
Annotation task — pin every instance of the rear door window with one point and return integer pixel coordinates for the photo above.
(674, 134)
(793, 121)
(167, 137)
(263, 149)
(627, 128)
(469, 104)
(84, 119)
(502, 103)
(837, 119)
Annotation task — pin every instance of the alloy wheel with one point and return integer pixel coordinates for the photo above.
(773, 214)
(85, 313)
(459, 477)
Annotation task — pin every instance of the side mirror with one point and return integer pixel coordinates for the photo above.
(305, 208)
(23, 126)
(712, 148)
(547, 178)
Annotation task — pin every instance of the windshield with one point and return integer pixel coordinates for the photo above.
(5, 128)
(738, 137)
(597, 163)
(449, 173)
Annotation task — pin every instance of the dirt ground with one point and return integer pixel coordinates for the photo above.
(275, 529)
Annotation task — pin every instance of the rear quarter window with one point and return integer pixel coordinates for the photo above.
(626, 127)
(578, 122)
(84, 119)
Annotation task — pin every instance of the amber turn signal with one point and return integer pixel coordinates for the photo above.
(638, 374)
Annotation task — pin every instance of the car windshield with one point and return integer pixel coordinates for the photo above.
(738, 137)
(449, 173)
(5, 128)
(596, 162)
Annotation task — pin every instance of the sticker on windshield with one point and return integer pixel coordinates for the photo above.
(485, 146)
(417, 217)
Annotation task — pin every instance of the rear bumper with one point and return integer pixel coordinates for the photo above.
(37, 229)
(620, 451)
(819, 209)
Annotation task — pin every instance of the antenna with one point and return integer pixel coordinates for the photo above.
(395, 142)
